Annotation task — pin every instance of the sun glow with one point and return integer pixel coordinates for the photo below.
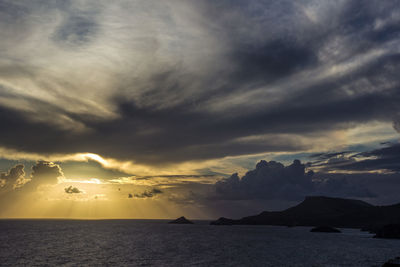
(95, 200)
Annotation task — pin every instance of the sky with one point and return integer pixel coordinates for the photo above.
(158, 109)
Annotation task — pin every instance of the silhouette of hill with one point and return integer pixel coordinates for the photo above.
(320, 210)
(181, 220)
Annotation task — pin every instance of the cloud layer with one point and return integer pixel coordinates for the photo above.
(172, 81)
(382, 159)
(132, 94)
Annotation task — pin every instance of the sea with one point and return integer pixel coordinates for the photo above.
(157, 243)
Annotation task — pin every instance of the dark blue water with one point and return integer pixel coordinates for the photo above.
(155, 243)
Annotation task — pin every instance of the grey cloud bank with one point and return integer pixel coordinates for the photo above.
(171, 81)
(272, 180)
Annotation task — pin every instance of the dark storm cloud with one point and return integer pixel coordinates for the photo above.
(384, 186)
(281, 69)
(270, 61)
(344, 187)
(382, 159)
(273, 180)
(148, 193)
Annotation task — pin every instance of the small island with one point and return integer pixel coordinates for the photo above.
(325, 229)
(181, 220)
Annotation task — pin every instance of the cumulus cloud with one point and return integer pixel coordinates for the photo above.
(15, 177)
(145, 78)
(72, 190)
(45, 172)
(268, 181)
(273, 180)
(149, 193)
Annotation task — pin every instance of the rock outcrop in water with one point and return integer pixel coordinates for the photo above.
(388, 231)
(319, 210)
(325, 229)
(181, 220)
(392, 263)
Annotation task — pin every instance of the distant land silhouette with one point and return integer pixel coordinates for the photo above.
(325, 229)
(320, 210)
(181, 220)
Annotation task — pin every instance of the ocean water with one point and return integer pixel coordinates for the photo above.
(156, 243)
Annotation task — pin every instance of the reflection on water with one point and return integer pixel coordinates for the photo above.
(144, 243)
